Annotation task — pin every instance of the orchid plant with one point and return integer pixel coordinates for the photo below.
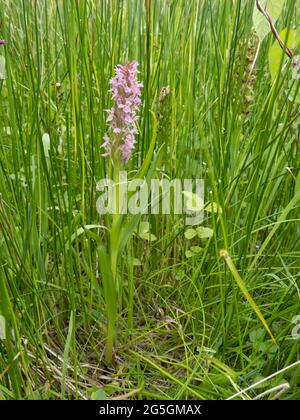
(122, 117)
(119, 143)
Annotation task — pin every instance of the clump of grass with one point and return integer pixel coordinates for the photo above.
(185, 329)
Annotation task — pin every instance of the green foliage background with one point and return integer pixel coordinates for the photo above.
(185, 328)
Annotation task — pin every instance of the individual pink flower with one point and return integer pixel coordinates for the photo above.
(2, 42)
(119, 140)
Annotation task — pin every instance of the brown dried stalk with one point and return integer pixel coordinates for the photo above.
(287, 50)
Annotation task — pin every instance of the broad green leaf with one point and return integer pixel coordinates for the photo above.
(144, 232)
(260, 22)
(129, 228)
(99, 395)
(190, 233)
(256, 335)
(144, 227)
(83, 229)
(147, 236)
(193, 203)
(213, 208)
(204, 233)
(189, 254)
(196, 249)
(277, 55)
